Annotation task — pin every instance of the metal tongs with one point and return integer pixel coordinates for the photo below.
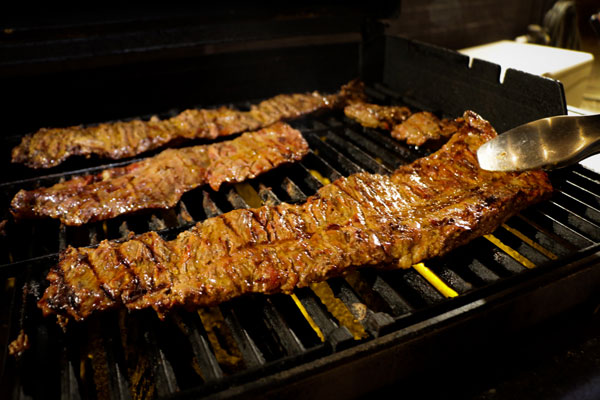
(547, 143)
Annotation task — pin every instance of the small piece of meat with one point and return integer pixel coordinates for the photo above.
(18, 346)
(376, 116)
(423, 127)
(51, 146)
(160, 181)
(423, 210)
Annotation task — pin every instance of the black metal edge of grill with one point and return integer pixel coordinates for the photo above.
(457, 331)
(423, 338)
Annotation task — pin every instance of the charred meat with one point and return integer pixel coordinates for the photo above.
(415, 129)
(424, 127)
(423, 210)
(376, 116)
(160, 181)
(49, 147)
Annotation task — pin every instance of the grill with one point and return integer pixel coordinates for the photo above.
(340, 338)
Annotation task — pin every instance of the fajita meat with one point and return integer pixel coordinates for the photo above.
(416, 129)
(424, 127)
(377, 116)
(160, 181)
(423, 210)
(49, 147)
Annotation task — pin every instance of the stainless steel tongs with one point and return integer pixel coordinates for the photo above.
(547, 143)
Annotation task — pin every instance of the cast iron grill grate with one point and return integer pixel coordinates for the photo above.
(122, 355)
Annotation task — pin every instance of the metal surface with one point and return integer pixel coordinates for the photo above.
(548, 143)
(342, 338)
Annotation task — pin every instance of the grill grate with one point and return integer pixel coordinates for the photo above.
(122, 355)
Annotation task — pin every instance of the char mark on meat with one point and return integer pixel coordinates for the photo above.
(160, 181)
(49, 147)
(415, 129)
(422, 210)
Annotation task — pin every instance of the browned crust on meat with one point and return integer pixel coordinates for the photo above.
(376, 116)
(415, 129)
(49, 147)
(424, 127)
(422, 210)
(160, 181)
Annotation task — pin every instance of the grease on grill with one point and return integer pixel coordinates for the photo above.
(224, 346)
(435, 280)
(307, 316)
(18, 346)
(247, 192)
(97, 356)
(339, 310)
(139, 366)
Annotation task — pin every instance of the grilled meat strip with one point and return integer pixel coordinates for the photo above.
(424, 127)
(376, 116)
(160, 181)
(49, 147)
(416, 129)
(423, 210)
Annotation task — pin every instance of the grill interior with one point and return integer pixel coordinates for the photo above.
(243, 345)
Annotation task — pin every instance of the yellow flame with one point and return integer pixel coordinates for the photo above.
(510, 251)
(320, 178)
(304, 312)
(531, 243)
(435, 280)
(247, 192)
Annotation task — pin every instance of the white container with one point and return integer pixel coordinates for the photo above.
(570, 67)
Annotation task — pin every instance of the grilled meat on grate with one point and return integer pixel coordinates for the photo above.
(160, 181)
(423, 210)
(424, 127)
(376, 116)
(416, 129)
(49, 147)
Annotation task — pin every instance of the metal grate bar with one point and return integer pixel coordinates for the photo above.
(253, 357)
(195, 333)
(335, 158)
(521, 247)
(353, 153)
(577, 206)
(422, 291)
(397, 304)
(376, 323)
(546, 239)
(293, 191)
(276, 323)
(450, 277)
(558, 227)
(578, 223)
(375, 150)
(404, 152)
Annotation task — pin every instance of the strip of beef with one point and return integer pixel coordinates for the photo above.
(49, 147)
(377, 116)
(160, 181)
(423, 210)
(416, 129)
(424, 127)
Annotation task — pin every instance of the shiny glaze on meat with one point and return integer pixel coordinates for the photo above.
(160, 181)
(424, 209)
(49, 147)
(376, 116)
(424, 127)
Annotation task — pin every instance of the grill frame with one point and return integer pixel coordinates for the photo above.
(340, 366)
